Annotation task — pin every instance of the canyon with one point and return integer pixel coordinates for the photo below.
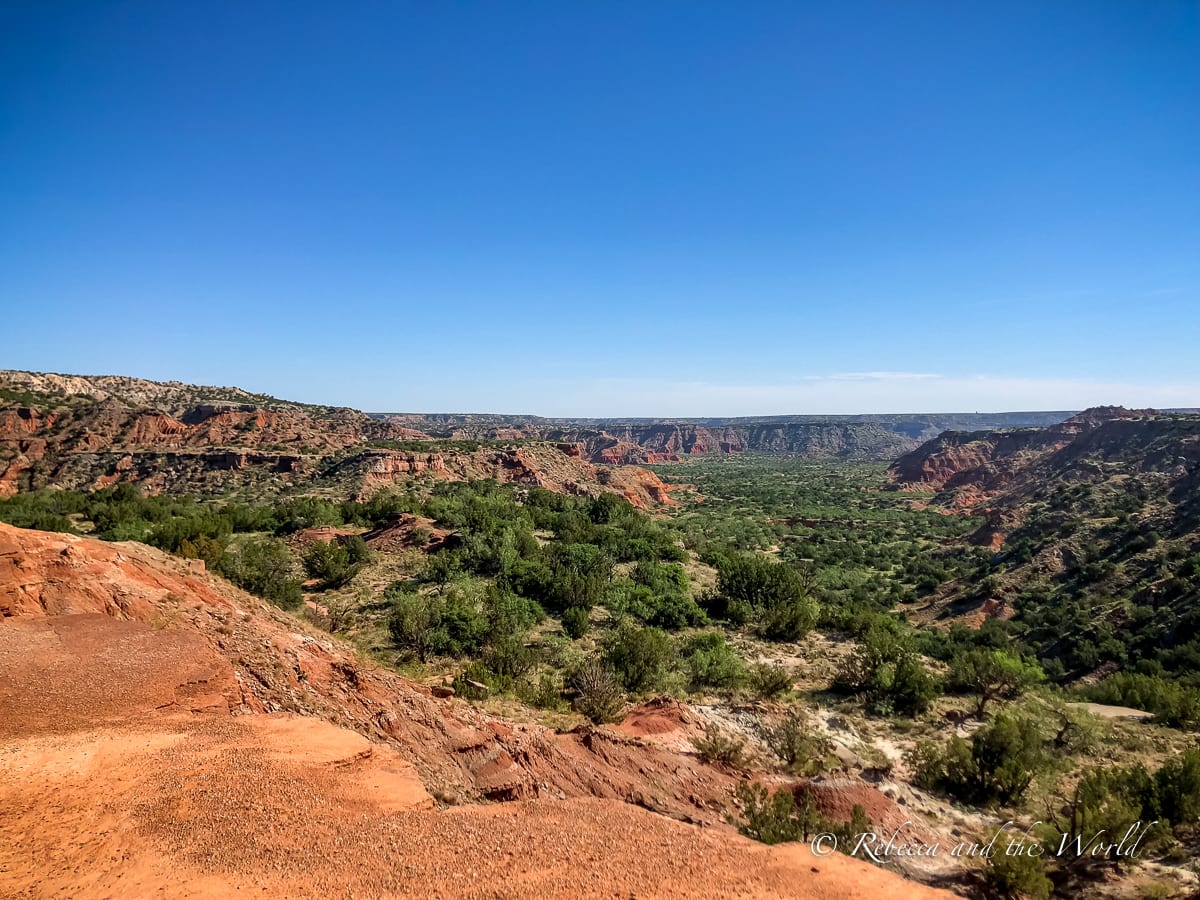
(90, 432)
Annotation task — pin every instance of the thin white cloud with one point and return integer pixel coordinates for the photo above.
(872, 376)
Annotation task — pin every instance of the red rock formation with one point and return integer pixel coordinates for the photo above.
(551, 466)
(988, 461)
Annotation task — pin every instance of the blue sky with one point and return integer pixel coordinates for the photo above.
(667, 208)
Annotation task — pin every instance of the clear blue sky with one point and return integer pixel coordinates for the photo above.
(672, 208)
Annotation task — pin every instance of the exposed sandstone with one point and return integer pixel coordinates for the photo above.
(167, 437)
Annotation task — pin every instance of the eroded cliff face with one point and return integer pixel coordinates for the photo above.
(653, 443)
(616, 441)
(99, 444)
(558, 468)
(976, 464)
(109, 424)
(94, 431)
(175, 436)
(85, 436)
(988, 462)
(1007, 476)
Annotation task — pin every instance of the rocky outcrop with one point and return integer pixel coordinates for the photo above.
(982, 460)
(84, 434)
(665, 442)
(616, 441)
(385, 467)
(556, 467)
(1008, 476)
(985, 463)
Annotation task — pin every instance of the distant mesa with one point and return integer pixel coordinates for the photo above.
(87, 432)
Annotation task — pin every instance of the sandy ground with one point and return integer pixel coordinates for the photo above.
(1114, 712)
(288, 806)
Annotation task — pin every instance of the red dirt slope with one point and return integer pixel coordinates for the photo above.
(142, 757)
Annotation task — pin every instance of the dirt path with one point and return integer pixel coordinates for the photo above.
(1114, 712)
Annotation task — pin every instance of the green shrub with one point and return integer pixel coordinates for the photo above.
(1171, 702)
(597, 692)
(798, 743)
(1177, 787)
(335, 563)
(639, 657)
(461, 626)
(507, 612)
(558, 652)
(581, 575)
(1009, 753)
(712, 662)
(264, 566)
(413, 622)
(771, 591)
(575, 622)
(718, 746)
(941, 766)
(776, 818)
(1017, 876)
(1110, 802)
(768, 680)
(544, 692)
(306, 512)
(659, 596)
(887, 669)
(996, 767)
(788, 618)
(451, 624)
(507, 655)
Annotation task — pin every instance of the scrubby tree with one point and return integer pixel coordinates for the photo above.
(997, 766)
(1177, 788)
(1017, 876)
(798, 743)
(787, 815)
(581, 575)
(774, 818)
(575, 622)
(769, 680)
(335, 563)
(264, 566)
(639, 657)
(658, 595)
(720, 746)
(993, 675)
(887, 669)
(413, 622)
(711, 661)
(1009, 753)
(752, 586)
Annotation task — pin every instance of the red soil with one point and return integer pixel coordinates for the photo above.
(141, 758)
